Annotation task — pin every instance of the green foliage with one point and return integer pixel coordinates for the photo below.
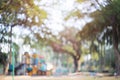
(69, 49)
(74, 14)
(21, 12)
(3, 58)
(24, 13)
(16, 47)
(110, 58)
(102, 21)
(80, 1)
(4, 34)
(27, 40)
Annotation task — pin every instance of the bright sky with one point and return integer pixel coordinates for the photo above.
(58, 9)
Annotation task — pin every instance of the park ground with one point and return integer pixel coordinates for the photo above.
(76, 77)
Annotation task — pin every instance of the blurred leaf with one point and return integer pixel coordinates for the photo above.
(74, 14)
(69, 49)
(80, 1)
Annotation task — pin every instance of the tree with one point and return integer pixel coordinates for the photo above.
(106, 27)
(16, 49)
(3, 60)
(69, 44)
(19, 13)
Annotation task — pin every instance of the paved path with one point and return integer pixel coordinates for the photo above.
(57, 78)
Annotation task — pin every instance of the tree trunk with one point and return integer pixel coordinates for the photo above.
(10, 54)
(115, 37)
(116, 49)
(75, 64)
(4, 68)
(117, 58)
(117, 64)
(101, 59)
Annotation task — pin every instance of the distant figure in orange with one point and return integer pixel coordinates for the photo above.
(35, 63)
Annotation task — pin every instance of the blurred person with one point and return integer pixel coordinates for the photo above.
(26, 61)
(35, 59)
(43, 68)
(27, 58)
